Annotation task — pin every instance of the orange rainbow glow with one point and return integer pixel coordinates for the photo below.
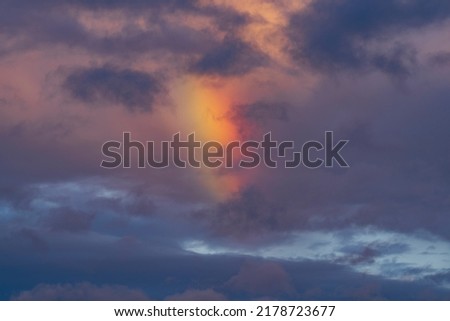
(203, 109)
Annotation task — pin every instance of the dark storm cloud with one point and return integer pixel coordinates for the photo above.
(136, 202)
(225, 17)
(68, 220)
(247, 213)
(253, 118)
(135, 90)
(415, 182)
(366, 254)
(37, 153)
(136, 4)
(440, 59)
(53, 23)
(232, 57)
(399, 173)
(333, 35)
(58, 218)
(18, 197)
(399, 60)
(234, 278)
(320, 280)
(69, 211)
(440, 278)
(260, 112)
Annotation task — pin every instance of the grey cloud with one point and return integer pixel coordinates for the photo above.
(135, 90)
(137, 4)
(366, 255)
(260, 112)
(400, 60)
(398, 178)
(247, 213)
(68, 220)
(440, 59)
(232, 57)
(333, 35)
(252, 118)
(52, 24)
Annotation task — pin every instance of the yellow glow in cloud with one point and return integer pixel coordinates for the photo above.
(202, 108)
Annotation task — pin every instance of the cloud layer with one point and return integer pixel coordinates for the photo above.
(75, 74)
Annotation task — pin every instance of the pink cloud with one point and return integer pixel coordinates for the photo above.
(197, 295)
(80, 291)
(262, 278)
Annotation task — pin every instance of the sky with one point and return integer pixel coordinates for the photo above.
(75, 74)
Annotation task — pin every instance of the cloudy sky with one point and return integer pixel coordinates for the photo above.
(75, 74)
